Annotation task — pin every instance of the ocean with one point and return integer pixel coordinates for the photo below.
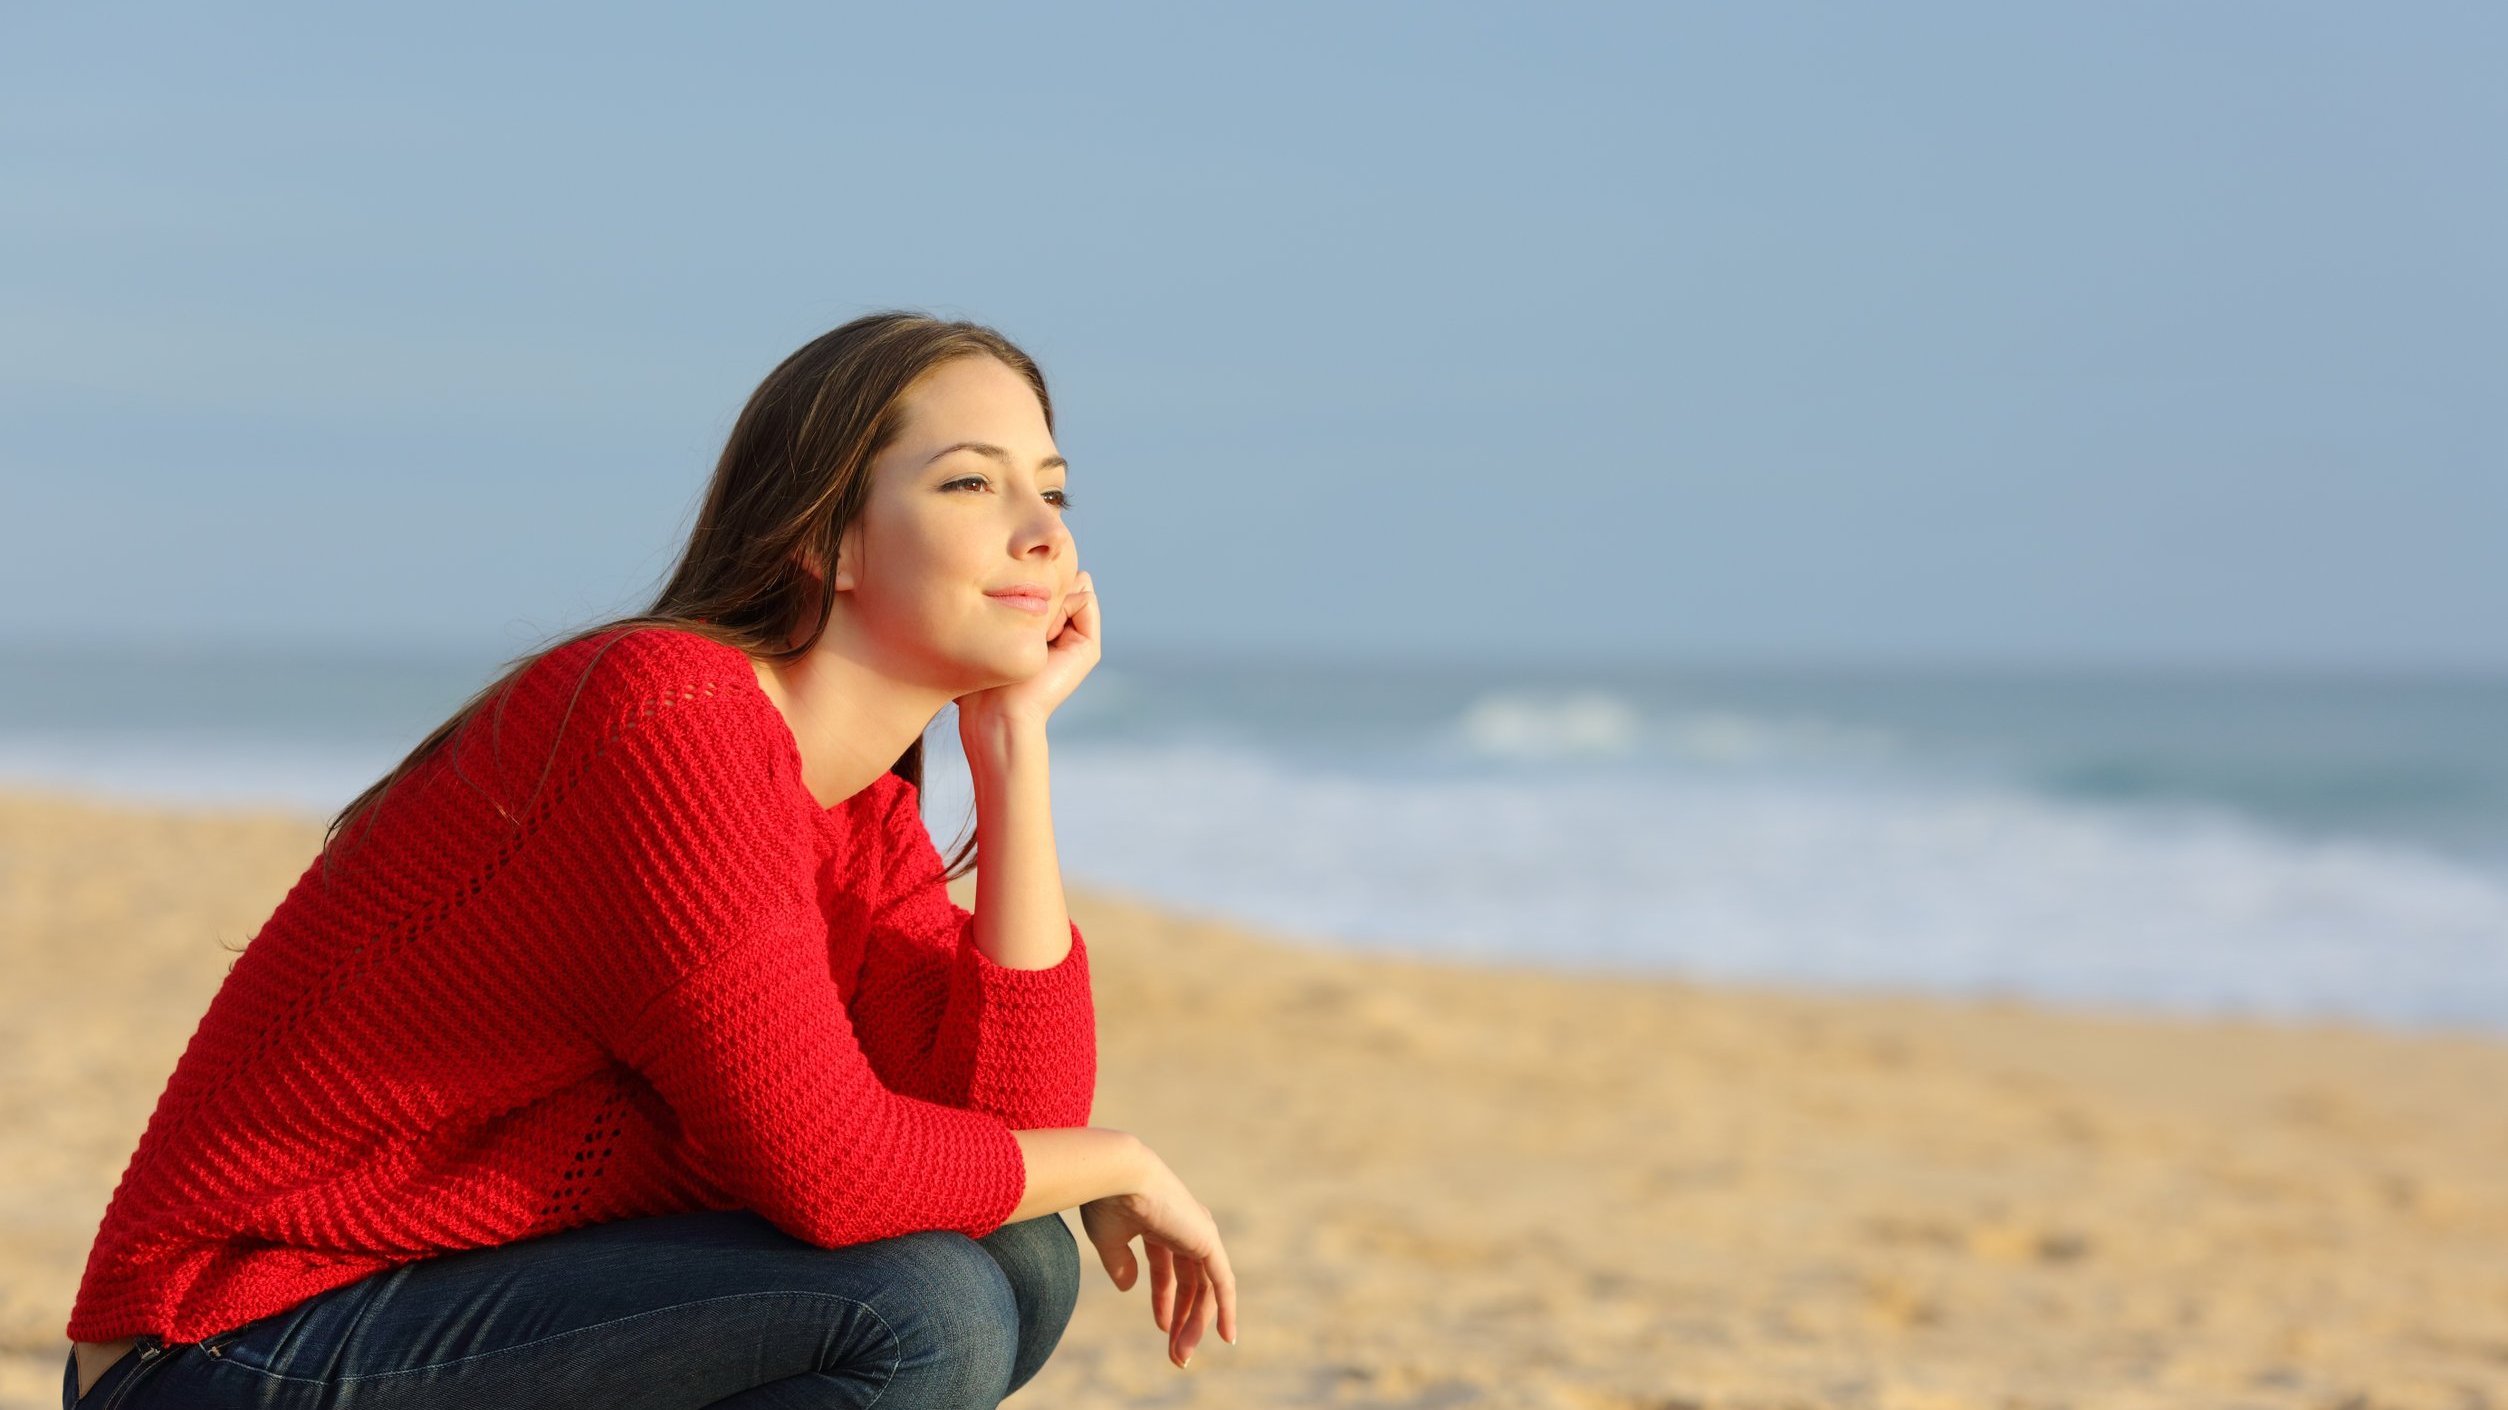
(2265, 845)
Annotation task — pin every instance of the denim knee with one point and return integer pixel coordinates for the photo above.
(956, 1320)
(1041, 1261)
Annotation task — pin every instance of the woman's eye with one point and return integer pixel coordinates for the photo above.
(1062, 498)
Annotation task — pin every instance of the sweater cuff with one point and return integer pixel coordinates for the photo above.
(1004, 983)
(1009, 1173)
(1027, 1037)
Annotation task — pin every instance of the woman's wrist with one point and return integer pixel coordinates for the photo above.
(1141, 1165)
(1073, 1165)
(1004, 756)
(999, 736)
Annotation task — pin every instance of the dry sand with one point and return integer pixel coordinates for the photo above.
(1470, 1186)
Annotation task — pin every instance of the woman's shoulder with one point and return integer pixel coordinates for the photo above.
(615, 684)
(632, 663)
(627, 674)
(583, 698)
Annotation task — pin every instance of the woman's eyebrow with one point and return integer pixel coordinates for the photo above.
(996, 452)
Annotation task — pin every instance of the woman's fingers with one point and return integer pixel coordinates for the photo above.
(1181, 1340)
(1121, 1267)
(1079, 605)
(1206, 1307)
(1162, 1263)
(1223, 1282)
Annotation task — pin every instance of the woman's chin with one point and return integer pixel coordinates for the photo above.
(1010, 667)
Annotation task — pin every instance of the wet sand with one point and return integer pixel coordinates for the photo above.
(1470, 1185)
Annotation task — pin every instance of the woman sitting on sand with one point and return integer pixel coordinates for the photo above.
(623, 1046)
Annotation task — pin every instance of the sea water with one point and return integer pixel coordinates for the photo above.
(2278, 845)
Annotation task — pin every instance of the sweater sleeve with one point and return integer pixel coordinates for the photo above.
(714, 986)
(942, 1020)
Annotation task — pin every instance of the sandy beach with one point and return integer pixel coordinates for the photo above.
(1448, 1185)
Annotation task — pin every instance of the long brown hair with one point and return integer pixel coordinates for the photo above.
(792, 477)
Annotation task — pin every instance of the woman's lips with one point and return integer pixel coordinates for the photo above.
(1035, 603)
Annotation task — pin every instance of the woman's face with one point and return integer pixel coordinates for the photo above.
(966, 503)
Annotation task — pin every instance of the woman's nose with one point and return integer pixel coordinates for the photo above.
(1044, 524)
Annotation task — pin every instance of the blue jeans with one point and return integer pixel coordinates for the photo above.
(716, 1308)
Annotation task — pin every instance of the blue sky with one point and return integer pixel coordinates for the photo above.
(2096, 333)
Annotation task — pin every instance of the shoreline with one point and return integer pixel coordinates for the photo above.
(1455, 1181)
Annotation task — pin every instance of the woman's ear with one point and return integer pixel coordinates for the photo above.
(809, 568)
(848, 553)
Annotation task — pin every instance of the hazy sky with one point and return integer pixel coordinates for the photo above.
(2153, 332)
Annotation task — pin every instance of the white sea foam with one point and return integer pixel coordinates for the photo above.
(1549, 725)
(1524, 726)
(1936, 887)
(1734, 861)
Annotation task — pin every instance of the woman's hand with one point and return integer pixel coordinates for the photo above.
(1071, 651)
(1190, 1280)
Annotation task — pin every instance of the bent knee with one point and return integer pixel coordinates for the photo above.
(1042, 1261)
(956, 1275)
(953, 1304)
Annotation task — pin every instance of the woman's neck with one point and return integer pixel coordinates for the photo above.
(849, 723)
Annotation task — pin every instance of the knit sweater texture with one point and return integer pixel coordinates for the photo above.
(600, 956)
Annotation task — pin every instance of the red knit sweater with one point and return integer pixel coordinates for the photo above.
(602, 955)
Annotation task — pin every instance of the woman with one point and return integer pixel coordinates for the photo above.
(624, 1047)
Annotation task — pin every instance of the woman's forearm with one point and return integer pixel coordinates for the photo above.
(1070, 1165)
(1020, 917)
